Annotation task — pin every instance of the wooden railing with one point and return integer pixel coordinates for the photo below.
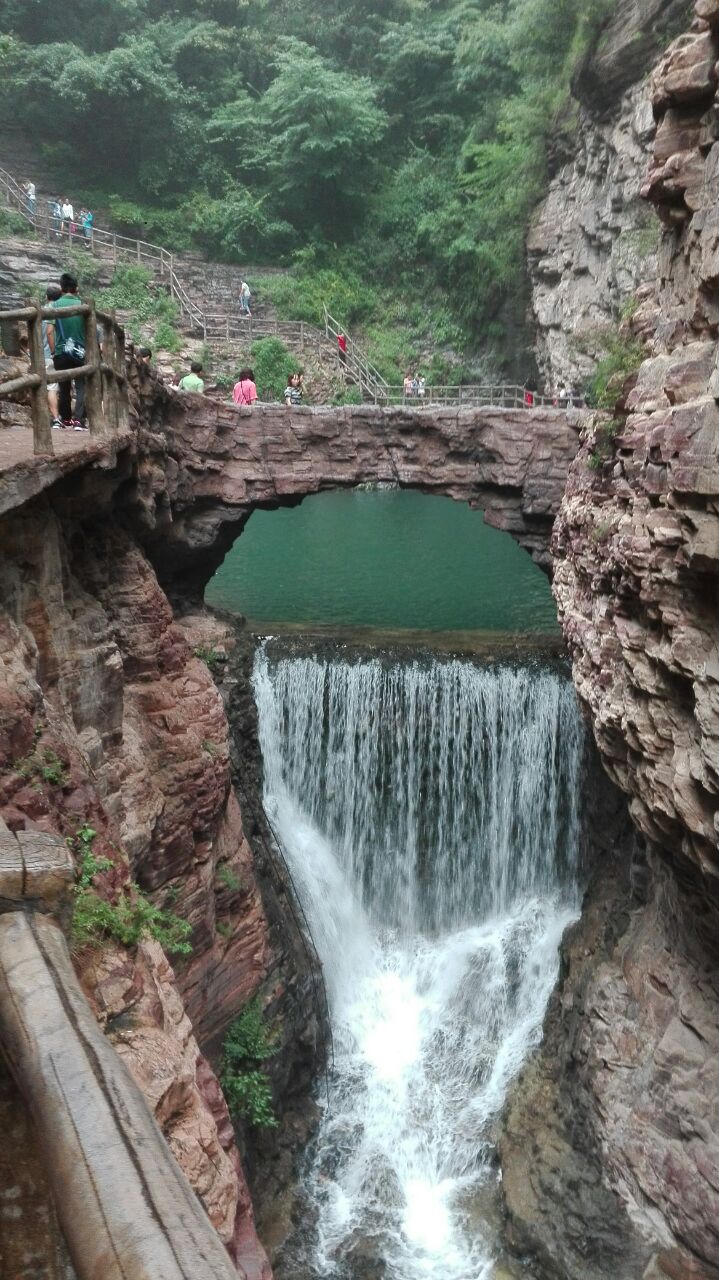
(106, 391)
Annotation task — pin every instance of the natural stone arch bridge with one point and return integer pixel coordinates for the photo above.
(222, 463)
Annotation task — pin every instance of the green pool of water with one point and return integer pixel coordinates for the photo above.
(389, 559)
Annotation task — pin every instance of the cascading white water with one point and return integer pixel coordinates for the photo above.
(429, 814)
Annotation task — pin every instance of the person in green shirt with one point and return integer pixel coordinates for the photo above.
(192, 381)
(67, 344)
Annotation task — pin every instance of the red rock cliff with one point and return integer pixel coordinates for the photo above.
(617, 1120)
(97, 678)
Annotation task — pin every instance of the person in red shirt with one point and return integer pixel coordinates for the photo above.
(244, 390)
(342, 348)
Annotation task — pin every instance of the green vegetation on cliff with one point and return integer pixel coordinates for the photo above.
(398, 146)
(244, 1081)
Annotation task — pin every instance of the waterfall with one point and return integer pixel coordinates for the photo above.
(429, 814)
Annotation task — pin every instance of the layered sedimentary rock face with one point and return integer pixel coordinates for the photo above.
(592, 241)
(622, 1103)
(637, 543)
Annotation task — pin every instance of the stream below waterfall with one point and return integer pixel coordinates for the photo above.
(429, 813)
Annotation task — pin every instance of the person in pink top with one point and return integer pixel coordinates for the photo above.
(244, 390)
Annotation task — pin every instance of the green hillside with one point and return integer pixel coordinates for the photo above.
(390, 150)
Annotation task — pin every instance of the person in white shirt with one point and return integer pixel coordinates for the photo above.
(68, 215)
(30, 193)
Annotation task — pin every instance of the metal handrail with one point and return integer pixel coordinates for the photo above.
(370, 377)
(485, 395)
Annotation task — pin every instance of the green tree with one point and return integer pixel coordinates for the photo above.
(321, 129)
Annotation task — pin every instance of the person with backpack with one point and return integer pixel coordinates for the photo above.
(68, 345)
(244, 390)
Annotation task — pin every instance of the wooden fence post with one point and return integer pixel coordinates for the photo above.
(93, 381)
(122, 399)
(109, 390)
(41, 427)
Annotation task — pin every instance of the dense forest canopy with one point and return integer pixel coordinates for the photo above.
(379, 144)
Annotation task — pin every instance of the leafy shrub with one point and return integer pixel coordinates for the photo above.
(211, 657)
(604, 437)
(245, 1085)
(623, 357)
(272, 364)
(130, 918)
(44, 765)
(133, 290)
(13, 224)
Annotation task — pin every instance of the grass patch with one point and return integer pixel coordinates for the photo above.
(131, 917)
(623, 356)
(13, 224)
(43, 765)
(134, 291)
(229, 878)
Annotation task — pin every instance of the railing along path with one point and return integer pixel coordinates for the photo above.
(220, 327)
(106, 391)
(214, 326)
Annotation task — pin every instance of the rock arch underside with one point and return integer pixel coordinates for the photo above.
(220, 463)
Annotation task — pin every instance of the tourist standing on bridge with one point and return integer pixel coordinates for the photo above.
(193, 381)
(30, 193)
(245, 296)
(293, 390)
(68, 342)
(342, 348)
(244, 390)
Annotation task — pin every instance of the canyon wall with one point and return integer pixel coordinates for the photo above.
(613, 1132)
(592, 242)
(108, 719)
